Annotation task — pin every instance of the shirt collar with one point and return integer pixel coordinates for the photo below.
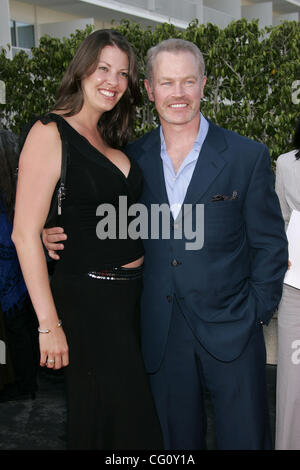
(203, 128)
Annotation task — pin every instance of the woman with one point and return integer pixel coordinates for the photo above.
(90, 320)
(17, 320)
(288, 369)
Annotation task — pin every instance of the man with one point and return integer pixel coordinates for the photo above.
(203, 309)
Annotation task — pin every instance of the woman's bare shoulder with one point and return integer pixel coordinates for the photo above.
(43, 135)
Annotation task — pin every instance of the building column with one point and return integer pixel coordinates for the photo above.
(5, 38)
(199, 10)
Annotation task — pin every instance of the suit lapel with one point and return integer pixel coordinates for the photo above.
(152, 167)
(210, 163)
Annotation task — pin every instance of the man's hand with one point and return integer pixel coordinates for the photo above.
(50, 237)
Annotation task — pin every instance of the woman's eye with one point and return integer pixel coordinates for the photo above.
(102, 67)
(124, 74)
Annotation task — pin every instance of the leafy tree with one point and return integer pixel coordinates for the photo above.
(31, 83)
(252, 75)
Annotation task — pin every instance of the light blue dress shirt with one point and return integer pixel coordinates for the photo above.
(177, 183)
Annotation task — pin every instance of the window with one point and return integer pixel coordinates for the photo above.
(22, 34)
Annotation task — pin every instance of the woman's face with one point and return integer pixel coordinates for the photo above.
(106, 85)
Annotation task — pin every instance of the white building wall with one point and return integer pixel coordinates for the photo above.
(101, 24)
(220, 18)
(63, 28)
(199, 10)
(46, 21)
(261, 11)
(184, 10)
(5, 24)
(142, 3)
(32, 14)
(66, 28)
(219, 12)
(277, 19)
(231, 7)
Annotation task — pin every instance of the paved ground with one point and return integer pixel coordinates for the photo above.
(40, 424)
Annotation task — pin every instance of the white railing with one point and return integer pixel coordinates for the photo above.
(15, 50)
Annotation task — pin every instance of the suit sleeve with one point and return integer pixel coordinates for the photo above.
(267, 239)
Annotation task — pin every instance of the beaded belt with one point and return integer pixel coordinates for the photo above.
(117, 274)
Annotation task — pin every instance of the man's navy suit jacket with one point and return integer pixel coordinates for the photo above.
(235, 280)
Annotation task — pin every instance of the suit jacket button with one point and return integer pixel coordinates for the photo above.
(175, 262)
(169, 298)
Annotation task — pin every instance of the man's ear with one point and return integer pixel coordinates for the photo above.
(202, 86)
(149, 90)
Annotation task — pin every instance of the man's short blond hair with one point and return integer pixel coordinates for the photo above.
(173, 45)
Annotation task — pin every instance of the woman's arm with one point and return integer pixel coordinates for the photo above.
(280, 190)
(39, 171)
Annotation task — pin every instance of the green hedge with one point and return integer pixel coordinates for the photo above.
(253, 84)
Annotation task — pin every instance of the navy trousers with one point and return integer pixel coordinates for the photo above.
(238, 392)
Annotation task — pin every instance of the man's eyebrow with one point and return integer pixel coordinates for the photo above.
(174, 78)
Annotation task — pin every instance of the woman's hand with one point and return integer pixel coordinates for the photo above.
(54, 349)
(289, 264)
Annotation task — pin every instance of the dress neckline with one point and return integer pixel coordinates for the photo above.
(95, 148)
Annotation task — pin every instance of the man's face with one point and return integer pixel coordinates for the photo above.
(177, 87)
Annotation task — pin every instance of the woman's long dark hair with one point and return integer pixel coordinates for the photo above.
(297, 140)
(116, 124)
(9, 154)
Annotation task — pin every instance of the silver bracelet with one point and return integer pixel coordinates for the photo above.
(47, 330)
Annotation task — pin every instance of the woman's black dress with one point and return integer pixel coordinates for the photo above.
(110, 405)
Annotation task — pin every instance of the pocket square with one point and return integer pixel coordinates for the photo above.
(223, 197)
